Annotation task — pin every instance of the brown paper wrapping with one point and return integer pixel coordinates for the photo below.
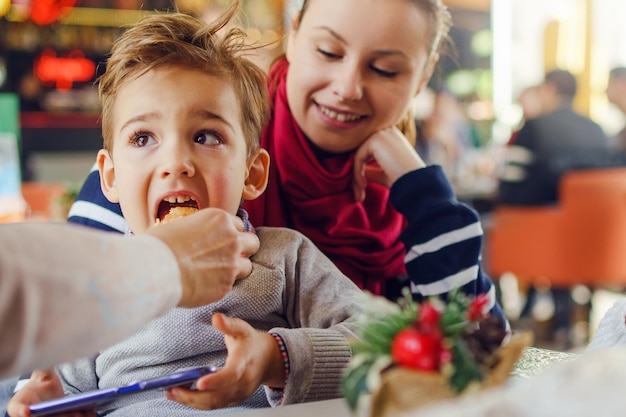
(404, 389)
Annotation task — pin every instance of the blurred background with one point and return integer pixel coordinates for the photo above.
(51, 50)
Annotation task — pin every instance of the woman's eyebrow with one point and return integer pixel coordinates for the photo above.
(331, 32)
(384, 52)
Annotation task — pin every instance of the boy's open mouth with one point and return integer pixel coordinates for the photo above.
(175, 207)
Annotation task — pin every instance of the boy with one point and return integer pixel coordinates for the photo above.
(182, 117)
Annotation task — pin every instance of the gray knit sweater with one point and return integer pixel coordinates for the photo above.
(293, 291)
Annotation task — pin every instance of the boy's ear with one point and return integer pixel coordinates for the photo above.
(107, 176)
(258, 173)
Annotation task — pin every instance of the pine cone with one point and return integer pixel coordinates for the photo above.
(485, 339)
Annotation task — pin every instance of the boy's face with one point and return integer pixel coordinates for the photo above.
(178, 140)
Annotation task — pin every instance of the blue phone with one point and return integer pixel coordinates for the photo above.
(94, 399)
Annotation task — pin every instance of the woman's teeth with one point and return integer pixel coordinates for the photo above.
(342, 117)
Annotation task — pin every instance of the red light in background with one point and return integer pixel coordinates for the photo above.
(45, 12)
(64, 71)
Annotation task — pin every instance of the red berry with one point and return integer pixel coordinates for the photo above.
(416, 350)
(428, 317)
(445, 356)
(475, 309)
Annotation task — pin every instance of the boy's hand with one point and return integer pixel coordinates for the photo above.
(212, 250)
(43, 385)
(394, 156)
(253, 359)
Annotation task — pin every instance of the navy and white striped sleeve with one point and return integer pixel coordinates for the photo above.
(92, 209)
(443, 238)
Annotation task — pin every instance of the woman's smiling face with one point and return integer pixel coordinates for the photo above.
(354, 67)
(178, 140)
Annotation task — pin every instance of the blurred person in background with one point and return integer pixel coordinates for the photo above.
(550, 143)
(616, 94)
(529, 100)
(547, 146)
(446, 132)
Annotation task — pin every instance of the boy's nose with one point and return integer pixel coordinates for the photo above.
(348, 83)
(178, 161)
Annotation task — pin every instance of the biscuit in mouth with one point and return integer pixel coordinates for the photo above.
(170, 211)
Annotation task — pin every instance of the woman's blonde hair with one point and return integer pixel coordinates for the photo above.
(180, 40)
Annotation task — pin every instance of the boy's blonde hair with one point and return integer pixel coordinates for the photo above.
(176, 39)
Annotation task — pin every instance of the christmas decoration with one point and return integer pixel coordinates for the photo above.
(412, 353)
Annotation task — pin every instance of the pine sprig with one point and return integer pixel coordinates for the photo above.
(378, 333)
(363, 377)
(457, 322)
(464, 369)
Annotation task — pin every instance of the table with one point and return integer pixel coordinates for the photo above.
(533, 362)
(328, 408)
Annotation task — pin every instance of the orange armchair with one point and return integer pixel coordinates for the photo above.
(581, 240)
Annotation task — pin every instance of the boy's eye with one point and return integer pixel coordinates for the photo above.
(141, 139)
(208, 138)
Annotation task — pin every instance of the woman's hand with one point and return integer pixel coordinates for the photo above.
(253, 359)
(394, 157)
(43, 385)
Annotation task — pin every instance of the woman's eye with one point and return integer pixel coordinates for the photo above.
(208, 138)
(141, 139)
(328, 54)
(384, 73)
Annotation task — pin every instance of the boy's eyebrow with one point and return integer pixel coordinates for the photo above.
(139, 118)
(342, 40)
(204, 114)
(207, 114)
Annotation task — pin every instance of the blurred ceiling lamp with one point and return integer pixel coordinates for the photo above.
(89, 16)
(85, 16)
(64, 71)
(41, 12)
(4, 7)
(45, 12)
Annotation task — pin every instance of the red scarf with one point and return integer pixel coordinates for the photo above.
(316, 198)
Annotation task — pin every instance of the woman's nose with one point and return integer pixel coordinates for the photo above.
(178, 161)
(348, 83)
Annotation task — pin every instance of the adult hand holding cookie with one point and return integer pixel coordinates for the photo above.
(212, 250)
